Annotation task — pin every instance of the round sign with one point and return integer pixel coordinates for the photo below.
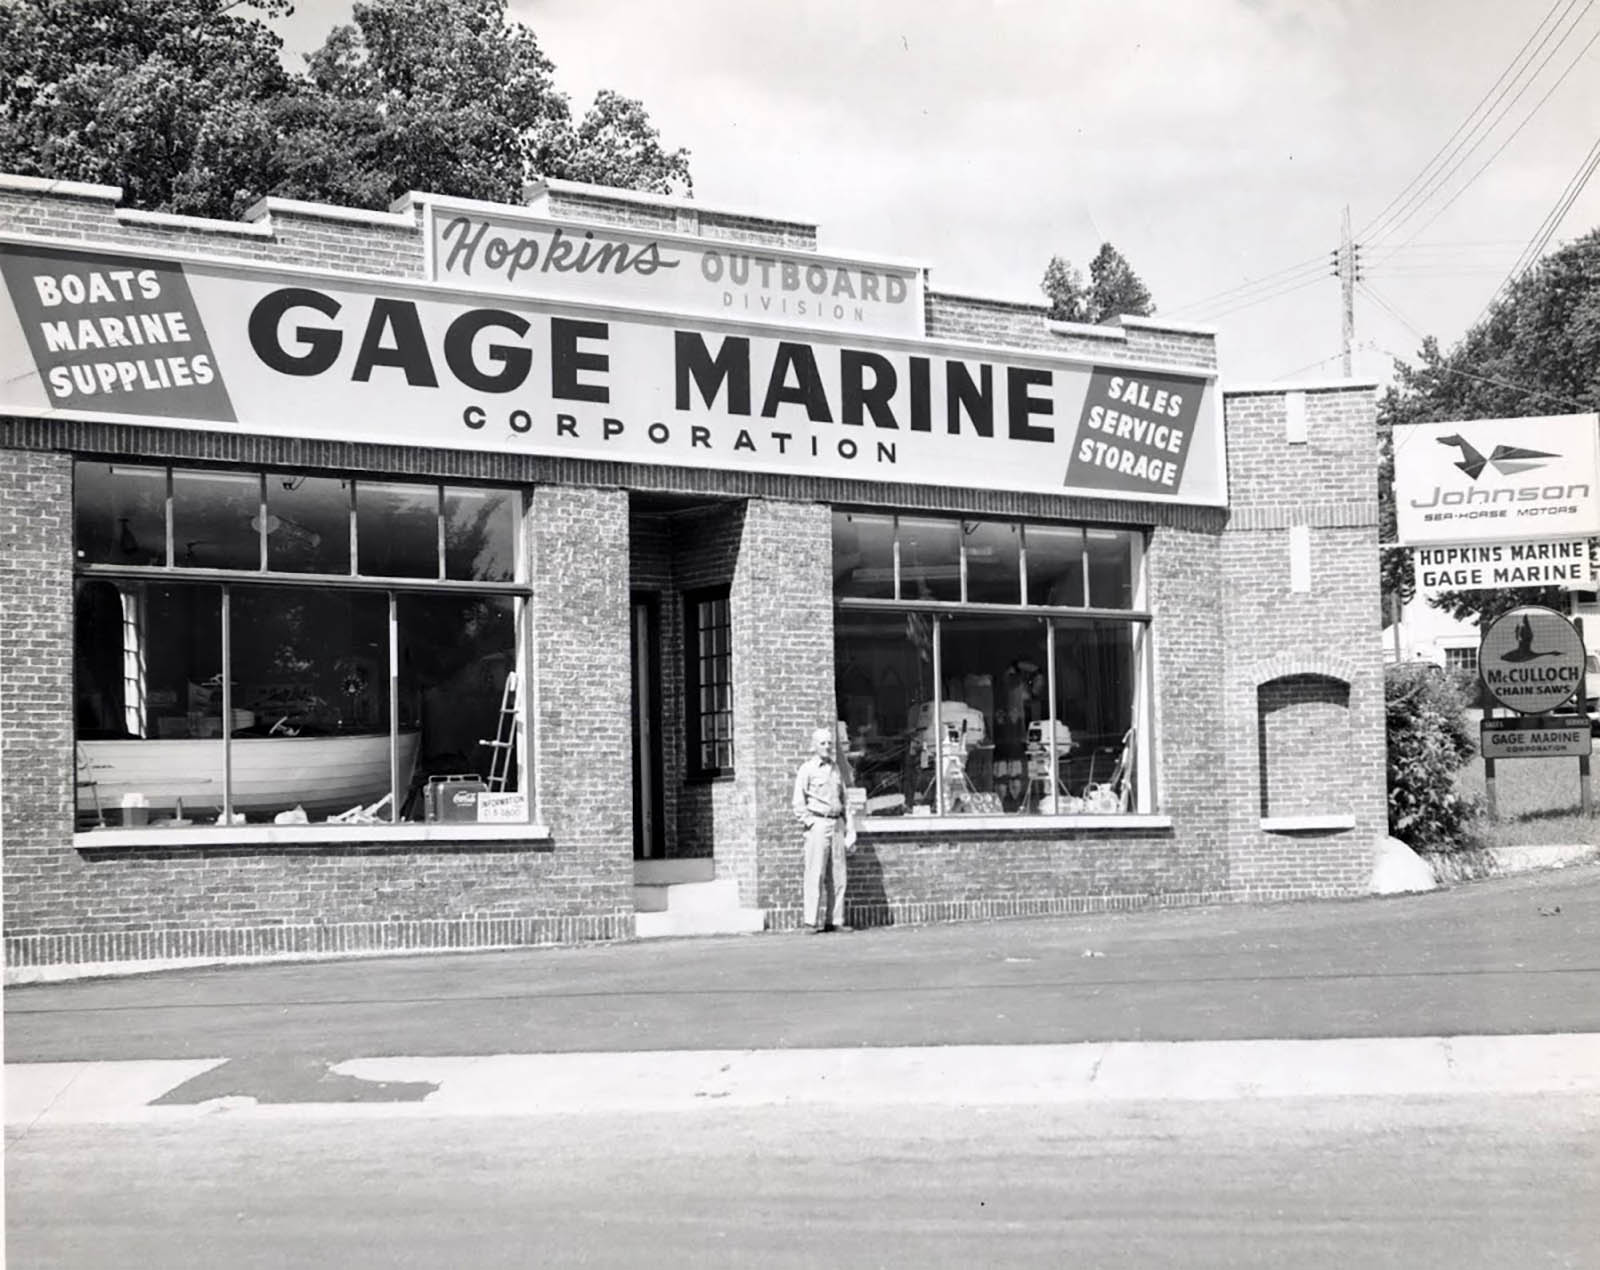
(1531, 659)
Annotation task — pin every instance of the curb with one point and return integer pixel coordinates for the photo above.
(688, 1081)
(1472, 864)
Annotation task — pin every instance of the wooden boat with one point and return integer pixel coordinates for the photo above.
(323, 774)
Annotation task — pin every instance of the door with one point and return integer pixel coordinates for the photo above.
(648, 831)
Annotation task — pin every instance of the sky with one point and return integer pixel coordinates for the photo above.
(1215, 143)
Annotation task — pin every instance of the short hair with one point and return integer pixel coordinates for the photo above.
(822, 734)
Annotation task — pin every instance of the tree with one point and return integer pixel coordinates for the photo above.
(1113, 289)
(162, 97)
(616, 144)
(1536, 352)
(185, 104)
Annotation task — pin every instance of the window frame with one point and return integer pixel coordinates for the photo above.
(393, 587)
(1137, 617)
(695, 716)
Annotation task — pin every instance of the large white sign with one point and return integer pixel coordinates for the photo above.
(1494, 480)
(486, 247)
(1490, 566)
(234, 347)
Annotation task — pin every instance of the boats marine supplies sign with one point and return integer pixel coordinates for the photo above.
(1493, 480)
(233, 346)
(1531, 660)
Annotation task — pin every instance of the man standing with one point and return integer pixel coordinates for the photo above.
(819, 805)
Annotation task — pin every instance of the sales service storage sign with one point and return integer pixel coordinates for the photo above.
(237, 347)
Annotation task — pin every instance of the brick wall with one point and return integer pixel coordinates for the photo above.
(783, 672)
(1275, 638)
(1011, 324)
(36, 767)
(582, 663)
(92, 903)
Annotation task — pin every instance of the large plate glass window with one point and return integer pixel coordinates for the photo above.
(278, 647)
(991, 668)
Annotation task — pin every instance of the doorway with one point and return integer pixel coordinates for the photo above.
(649, 836)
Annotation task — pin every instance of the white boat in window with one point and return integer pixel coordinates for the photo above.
(323, 774)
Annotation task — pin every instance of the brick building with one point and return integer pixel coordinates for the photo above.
(469, 576)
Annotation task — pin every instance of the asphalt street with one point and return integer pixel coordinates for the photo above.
(1410, 1081)
(1516, 955)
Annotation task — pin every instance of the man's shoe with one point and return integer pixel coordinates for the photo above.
(811, 929)
(840, 927)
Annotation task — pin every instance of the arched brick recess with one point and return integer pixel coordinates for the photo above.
(1304, 744)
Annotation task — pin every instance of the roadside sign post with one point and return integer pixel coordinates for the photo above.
(1531, 662)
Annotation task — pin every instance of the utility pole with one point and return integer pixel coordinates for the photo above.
(1347, 290)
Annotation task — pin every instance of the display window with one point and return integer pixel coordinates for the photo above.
(990, 668)
(274, 647)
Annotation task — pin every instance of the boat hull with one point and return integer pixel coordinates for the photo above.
(322, 774)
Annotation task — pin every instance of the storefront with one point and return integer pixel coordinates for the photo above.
(429, 578)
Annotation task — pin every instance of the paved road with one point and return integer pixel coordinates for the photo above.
(1511, 955)
(1301, 1183)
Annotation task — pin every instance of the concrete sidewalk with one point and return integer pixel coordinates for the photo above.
(690, 1081)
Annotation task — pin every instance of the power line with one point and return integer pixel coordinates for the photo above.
(1298, 370)
(1372, 294)
(1451, 138)
(1538, 105)
(1479, 131)
(1446, 369)
(1547, 227)
(1262, 299)
(1266, 280)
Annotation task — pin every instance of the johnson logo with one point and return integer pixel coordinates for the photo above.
(1493, 500)
(1506, 459)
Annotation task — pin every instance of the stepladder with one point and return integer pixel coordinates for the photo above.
(502, 746)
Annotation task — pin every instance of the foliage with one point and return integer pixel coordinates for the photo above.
(162, 97)
(1430, 741)
(1537, 352)
(616, 144)
(187, 106)
(1113, 289)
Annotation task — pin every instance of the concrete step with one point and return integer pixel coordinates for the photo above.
(736, 921)
(717, 895)
(671, 872)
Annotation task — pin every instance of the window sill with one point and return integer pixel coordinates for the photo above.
(303, 835)
(1313, 823)
(1006, 824)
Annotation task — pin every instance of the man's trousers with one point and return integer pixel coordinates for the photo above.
(824, 853)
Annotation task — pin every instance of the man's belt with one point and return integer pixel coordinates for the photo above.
(829, 815)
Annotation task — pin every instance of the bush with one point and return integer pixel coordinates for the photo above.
(1430, 740)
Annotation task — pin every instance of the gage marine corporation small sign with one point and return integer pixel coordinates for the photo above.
(1531, 659)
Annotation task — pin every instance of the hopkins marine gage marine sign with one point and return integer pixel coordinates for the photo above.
(233, 346)
(1494, 480)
